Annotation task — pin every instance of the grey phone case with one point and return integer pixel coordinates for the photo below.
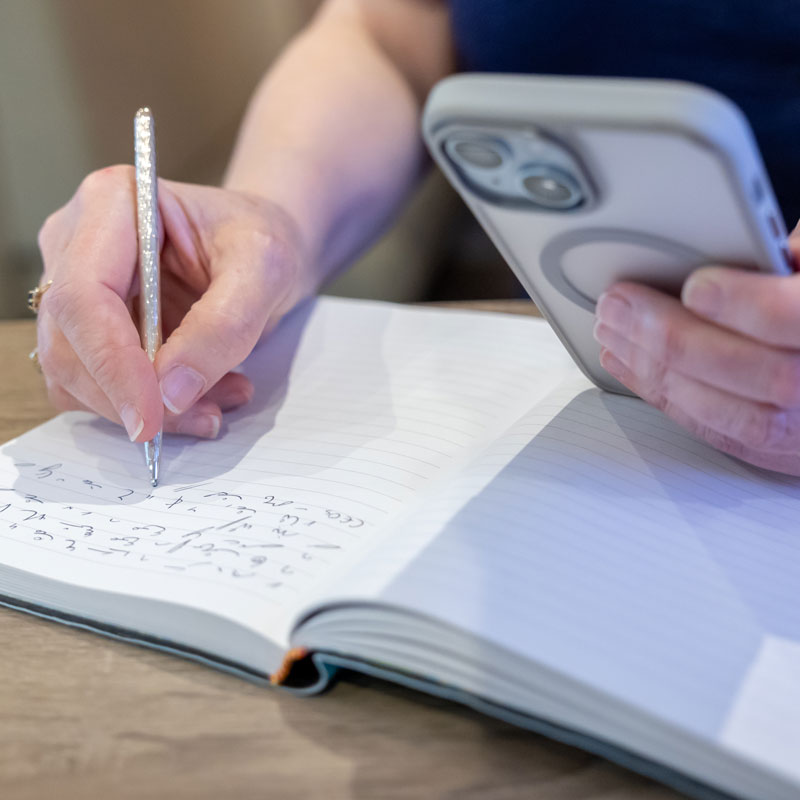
(677, 178)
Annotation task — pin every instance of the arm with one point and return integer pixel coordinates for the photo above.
(332, 132)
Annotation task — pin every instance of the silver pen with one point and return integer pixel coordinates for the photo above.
(144, 135)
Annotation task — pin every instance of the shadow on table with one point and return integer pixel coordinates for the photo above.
(401, 743)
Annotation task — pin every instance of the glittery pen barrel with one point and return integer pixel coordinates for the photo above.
(147, 229)
(147, 225)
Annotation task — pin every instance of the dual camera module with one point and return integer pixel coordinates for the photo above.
(518, 167)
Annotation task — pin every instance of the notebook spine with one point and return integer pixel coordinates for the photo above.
(281, 676)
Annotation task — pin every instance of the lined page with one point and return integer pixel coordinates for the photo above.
(360, 409)
(606, 543)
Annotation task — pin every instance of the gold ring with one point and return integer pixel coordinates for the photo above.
(34, 357)
(35, 297)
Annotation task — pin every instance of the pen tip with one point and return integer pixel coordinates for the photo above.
(152, 455)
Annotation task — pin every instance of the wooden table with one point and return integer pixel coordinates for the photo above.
(85, 717)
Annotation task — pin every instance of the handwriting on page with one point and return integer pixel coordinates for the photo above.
(270, 544)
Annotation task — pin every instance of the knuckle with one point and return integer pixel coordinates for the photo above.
(783, 381)
(258, 237)
(673, 345)
(108, 179)
(46, 231)
(60, 301)
(656, 377)
(271, 251)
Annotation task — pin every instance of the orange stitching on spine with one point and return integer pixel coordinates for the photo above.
(289, 660)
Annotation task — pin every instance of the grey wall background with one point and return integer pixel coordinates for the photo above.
(72, 75)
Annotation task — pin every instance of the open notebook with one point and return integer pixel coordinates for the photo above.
(440, 498)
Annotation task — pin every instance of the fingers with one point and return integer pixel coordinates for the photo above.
(649, 330)
(727, 441)
(96, 323)
(763, 307)
(231, 391)
(71, 387)
(740, 395)
(253, 276)
(203, 420)
(751, 424)
(68, 381)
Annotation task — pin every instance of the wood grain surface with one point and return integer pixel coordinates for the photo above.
(85, 717)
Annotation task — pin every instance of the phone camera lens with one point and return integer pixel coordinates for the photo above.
(481, 153)
(552, 187)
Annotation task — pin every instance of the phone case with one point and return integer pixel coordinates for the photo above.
(677, 182)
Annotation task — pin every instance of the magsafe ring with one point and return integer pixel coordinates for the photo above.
(582, 264)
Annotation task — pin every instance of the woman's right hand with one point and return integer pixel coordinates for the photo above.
(231, 265)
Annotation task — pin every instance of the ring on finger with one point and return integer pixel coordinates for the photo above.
(35, 296)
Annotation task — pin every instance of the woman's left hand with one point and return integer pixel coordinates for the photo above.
(723, 362)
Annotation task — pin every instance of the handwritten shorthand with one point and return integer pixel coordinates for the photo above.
(270, 544)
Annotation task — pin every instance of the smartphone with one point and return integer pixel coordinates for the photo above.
(583, 182)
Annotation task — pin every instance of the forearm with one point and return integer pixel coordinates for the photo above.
(332, 132)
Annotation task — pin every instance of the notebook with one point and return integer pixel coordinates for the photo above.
(441, 498)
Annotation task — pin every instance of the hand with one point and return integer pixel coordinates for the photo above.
(724, 362)
(231, 264)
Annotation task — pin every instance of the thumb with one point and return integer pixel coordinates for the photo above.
(251, 283)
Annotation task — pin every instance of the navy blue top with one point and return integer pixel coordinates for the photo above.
(747, 49)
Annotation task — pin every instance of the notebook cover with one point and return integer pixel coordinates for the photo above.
(304, 674)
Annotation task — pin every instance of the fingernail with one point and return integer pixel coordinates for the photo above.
(180, 387)
(612, 364)
(614, 311)
(702, 295)
(205, 426)
(132, 420)
(600, 332)
(614, 342)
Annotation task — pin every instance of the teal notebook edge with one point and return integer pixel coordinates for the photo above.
(329, 667)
